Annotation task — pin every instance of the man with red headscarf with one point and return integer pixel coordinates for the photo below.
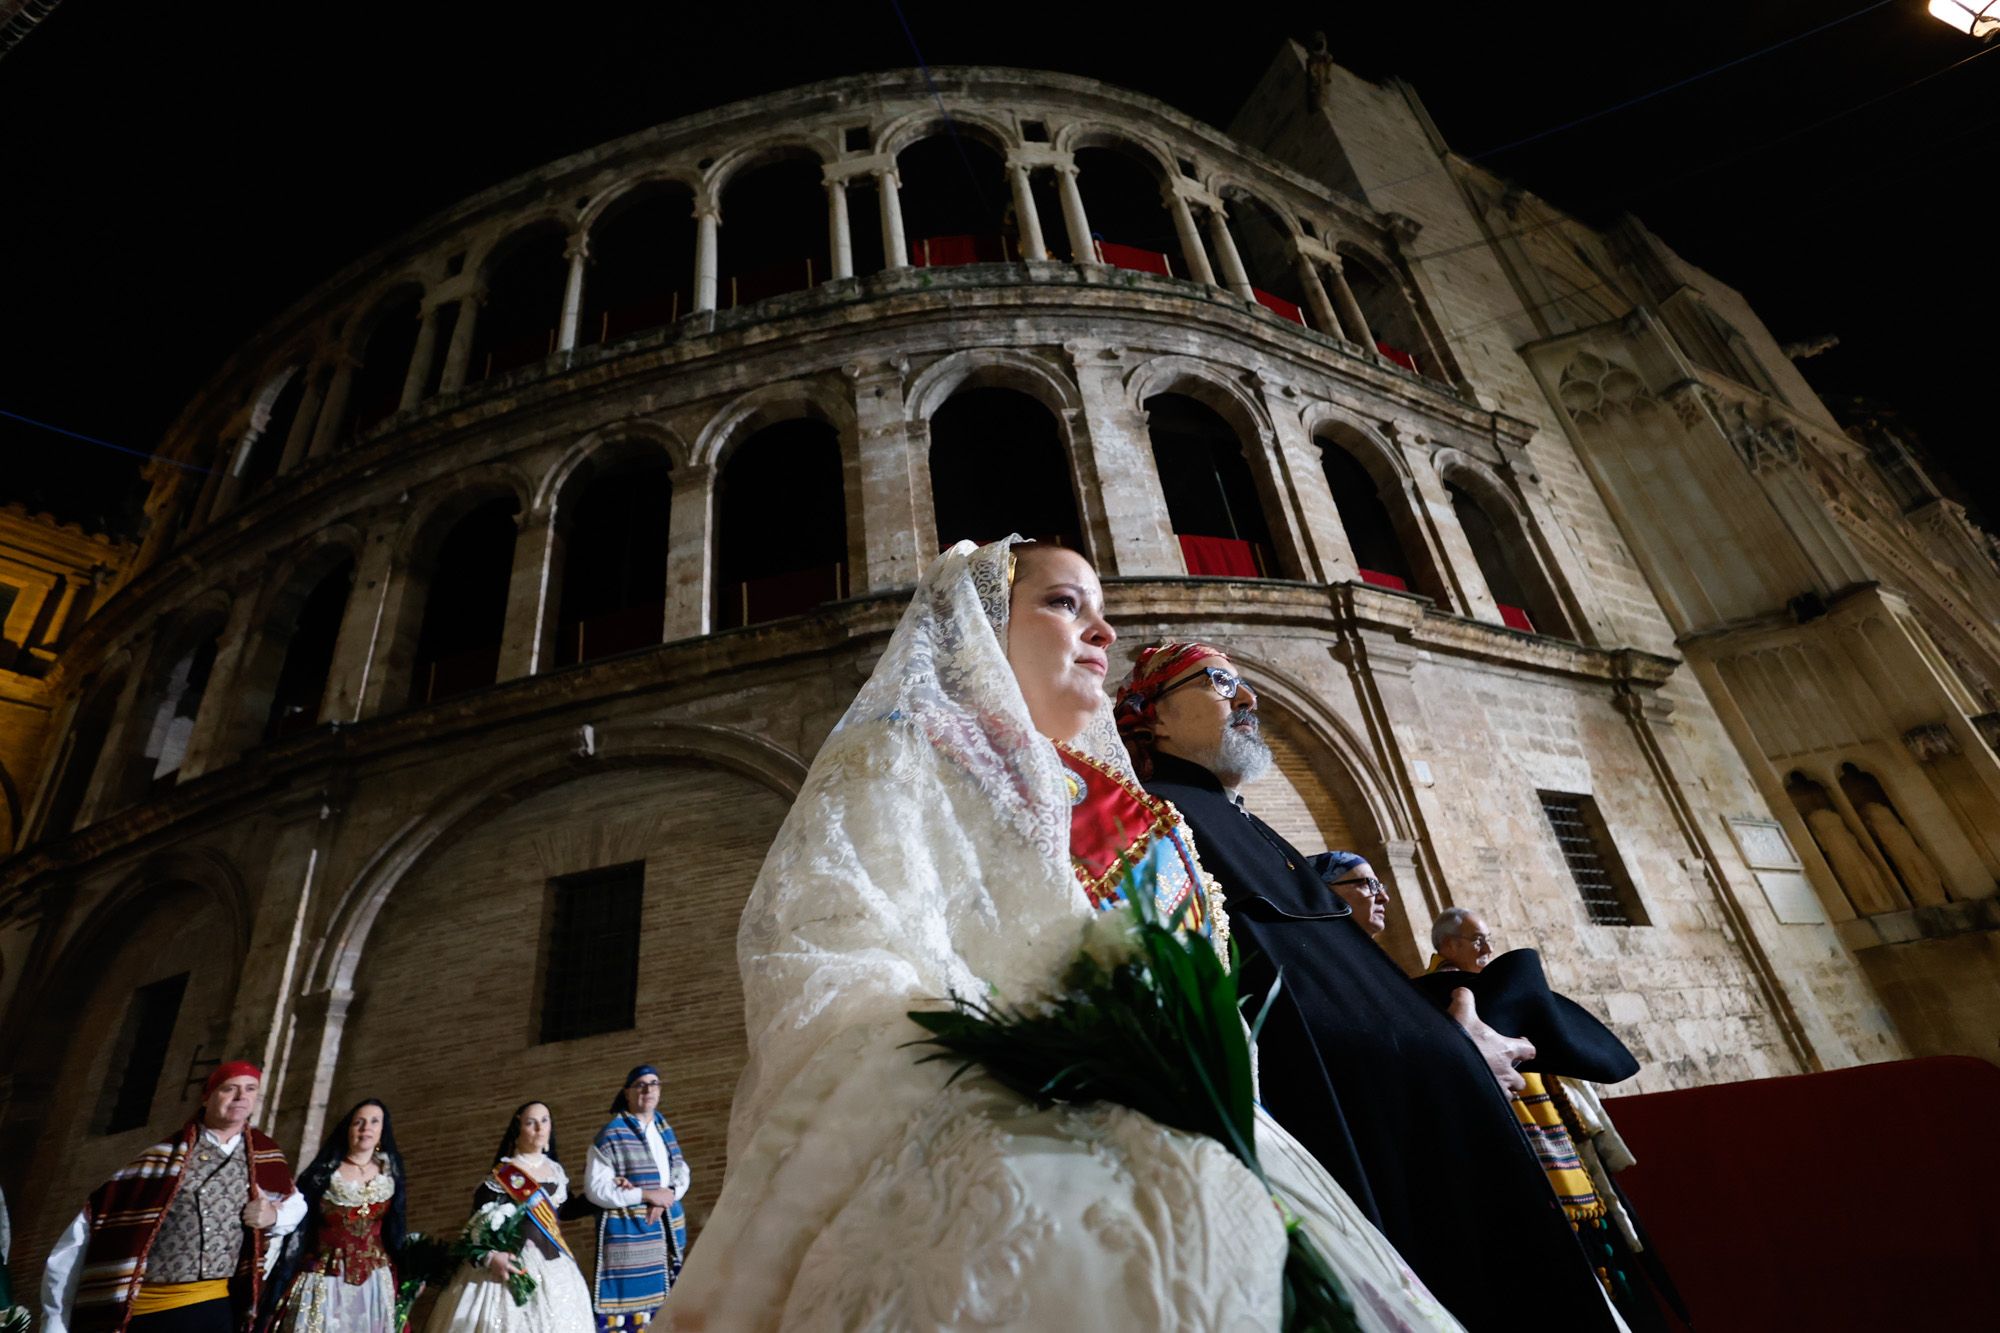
(1402, 1105)
(175, 1241)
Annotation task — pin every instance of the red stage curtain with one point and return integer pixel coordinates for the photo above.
(1381, 580)
(1219, 557)
(1858, 1199)
(1280, 305)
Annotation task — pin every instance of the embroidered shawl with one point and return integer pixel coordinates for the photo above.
(637, 1260)
(1124, 840)
(125, 1214)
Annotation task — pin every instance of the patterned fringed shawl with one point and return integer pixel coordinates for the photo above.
(125, 1215)
(637, 1260)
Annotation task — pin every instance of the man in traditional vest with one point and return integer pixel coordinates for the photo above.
(638, 1177)
(175, 1241)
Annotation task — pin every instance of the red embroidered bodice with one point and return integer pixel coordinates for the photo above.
(350, 1229)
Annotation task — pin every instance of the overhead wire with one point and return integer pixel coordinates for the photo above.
(106, 444)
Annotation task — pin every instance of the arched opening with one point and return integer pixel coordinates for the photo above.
(1867, 889)
(864, 225)
(465, 604)
(258, 463)
(377, 389)
(1386, 308)
(1046, 191)
(177, 704)
(1265, 245)
(957, 206)
(998, 466)
(301, 685)
(1212, 498)
(1508, 564)
(1911, 864)
(614, 558)
(1129, 222)
(525, 278)
(781, 524)
(641, 273)
(1380, 529)
(80, 757)
(773, 237)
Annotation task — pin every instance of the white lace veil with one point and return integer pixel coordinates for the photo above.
(935, 764)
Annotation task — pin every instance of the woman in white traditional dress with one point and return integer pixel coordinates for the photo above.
(336, 1272)
(931, 852)
(526, 1174)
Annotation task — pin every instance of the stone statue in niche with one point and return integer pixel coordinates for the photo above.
(1868, 891)
(1912, 864)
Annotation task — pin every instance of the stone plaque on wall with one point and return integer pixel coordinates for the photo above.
(1763, 844)
(1791, 897)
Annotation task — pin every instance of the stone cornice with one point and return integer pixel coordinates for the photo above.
(766, 656)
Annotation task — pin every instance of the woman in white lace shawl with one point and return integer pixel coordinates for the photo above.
(928, 854)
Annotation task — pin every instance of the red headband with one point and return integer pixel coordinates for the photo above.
(227, 1070)
(1155, 668)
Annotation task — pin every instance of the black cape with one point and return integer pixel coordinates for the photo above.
(1386, 1091)
(1513, 996)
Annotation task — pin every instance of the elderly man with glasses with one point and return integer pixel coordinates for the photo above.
(1398, 1101)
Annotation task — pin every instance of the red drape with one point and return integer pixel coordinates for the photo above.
(1858, 1199)
(1219, 557)
(1398, 355)
(1132, 257)
(1515, 617)
(1381, 580)
(1280, 305)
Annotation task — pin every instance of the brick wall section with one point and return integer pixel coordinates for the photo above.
(453, 1060)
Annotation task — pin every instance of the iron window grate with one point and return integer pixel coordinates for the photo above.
(591, 981)
(1609, 898)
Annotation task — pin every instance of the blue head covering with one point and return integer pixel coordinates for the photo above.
(638, 1072)
(1330, 866)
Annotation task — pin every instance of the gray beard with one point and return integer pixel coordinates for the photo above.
(1241, 757)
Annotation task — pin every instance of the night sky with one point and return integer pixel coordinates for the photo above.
(173, 176)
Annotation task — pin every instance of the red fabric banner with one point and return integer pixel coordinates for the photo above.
(1219, 557)
(1279, 305)
(1381, 580)
(1515, 617)
(1132, 257)
(1399, 356)
(1857, 1199)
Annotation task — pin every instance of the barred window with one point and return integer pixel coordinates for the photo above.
(1608, 894)
(590, 980)
(140, 1055)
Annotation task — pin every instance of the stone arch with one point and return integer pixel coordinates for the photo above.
(995, 131)
(444, 504)
(599, 445)
(1517, 557)
(1394, 503)
(267, 424)
(80, 750)
(991, 367)
(182, 912)
(1266, 238)
(269, 667)
(745, 157)
(625, 186)
(818, 398)
(1157, 153)
(496, 238)
(1393, 312)
(379, 347)
(522, 277)
(169, 700)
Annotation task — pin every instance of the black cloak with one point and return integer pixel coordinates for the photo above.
(1389, 1093)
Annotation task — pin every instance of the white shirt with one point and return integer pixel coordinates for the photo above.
(600, 1177)
(63, 1269)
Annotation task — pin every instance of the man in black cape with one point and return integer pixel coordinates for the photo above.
(1392, 1096)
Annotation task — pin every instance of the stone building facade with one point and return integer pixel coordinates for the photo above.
(516, 574)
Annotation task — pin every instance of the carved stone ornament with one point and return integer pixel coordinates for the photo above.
(1930, 742)
(1989, 727)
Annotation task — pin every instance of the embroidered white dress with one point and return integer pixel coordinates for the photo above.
(927, 854)
(478, 1302)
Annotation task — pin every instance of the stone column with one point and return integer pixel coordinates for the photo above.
(300, 438)
(706, 220)
(1121, 462)
(353, 682)
(1323, 316)
(1327, 557)
(421, 357)
(1352, 322)
(578, 255)
(1191, 251)
(1075, 220)
(889, 500)
(893, 245)
(1226, 254)
(530, 626)
(119, 757)
(333, 414)
(1028, 220)
(460, 352)
(691, 553)
(842, 240)
(311, 1054)
(1453, 556)
(216, 720)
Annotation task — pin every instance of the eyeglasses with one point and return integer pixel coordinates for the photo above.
(1371, 886)
(1226, 683)
(1476, 941)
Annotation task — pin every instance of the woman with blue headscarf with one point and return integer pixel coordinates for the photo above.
(638, 1177)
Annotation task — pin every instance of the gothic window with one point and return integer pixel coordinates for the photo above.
(590, 980)
(1609, 897)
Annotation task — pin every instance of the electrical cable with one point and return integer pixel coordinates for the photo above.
(106, 444)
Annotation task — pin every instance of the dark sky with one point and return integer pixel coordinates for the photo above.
(172, 176)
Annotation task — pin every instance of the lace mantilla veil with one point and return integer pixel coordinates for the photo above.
(927, 854)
